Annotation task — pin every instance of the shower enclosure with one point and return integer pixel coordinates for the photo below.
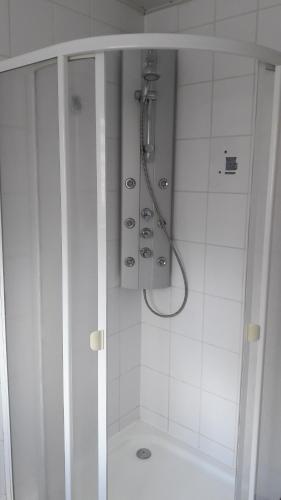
(81, 394)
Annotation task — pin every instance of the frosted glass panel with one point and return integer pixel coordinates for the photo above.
(83, 276)
(30, 195)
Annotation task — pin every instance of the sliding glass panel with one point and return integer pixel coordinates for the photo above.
(82, 186)
(30, 198)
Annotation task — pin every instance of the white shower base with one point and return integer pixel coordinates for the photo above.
(173, 472)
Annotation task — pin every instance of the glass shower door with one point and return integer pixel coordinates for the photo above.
(54, 267)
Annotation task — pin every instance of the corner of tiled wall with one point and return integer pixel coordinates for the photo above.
(27, 25)
(191, 365)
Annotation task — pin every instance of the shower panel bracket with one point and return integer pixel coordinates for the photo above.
(149, 80)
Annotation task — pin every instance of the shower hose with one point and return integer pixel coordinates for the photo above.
(162, 222)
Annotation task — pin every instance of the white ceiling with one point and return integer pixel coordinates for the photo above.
(151, 5)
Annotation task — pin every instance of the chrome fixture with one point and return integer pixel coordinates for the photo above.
(130, 183)
(146, 252)
(161, 261)
(147, 151)
(130, 261)
(130, 223)
(147, 214)
(146, 232)
(163, 183)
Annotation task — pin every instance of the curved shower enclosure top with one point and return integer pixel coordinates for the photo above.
(90, 110)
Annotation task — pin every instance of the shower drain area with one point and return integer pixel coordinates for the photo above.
(143, 453)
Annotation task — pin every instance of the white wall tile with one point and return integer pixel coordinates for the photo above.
(129, 308)
(162, 21)
(239, 147)
(232, 112)
(220, 372)
(192, 165)
(184, 404)
(99, 28)
(69, 25)
(183, 434)
(113, 357)
(196, 65)
(237, 28)
(268, 3)
(194, 111)
(193, 258)
(190, 211)
(193, 14)
(154, 391)
(227, 8)
(189, 321)
(113, 401)
(130, 343)
(186, 359)
(129, 391)
(224, 272)
(4, 28)
(227, 219)
(31, 25)
(269, 27)
(222, 323)
(113, 304)
(155, 348)
(82, 6)
(218, 452)
(160, 299)
(218, 420)
(130, 418)
(153, 419)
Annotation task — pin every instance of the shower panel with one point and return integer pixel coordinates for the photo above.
(148, 115)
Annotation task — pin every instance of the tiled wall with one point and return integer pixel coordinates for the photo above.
(32, 24)
(124, 306)
(191, 364)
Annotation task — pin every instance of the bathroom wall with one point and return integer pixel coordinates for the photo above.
(32, 24)
(124, 306)
(191, 365)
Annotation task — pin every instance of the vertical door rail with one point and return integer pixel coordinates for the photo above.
(273, 158)
(4, 379)
(102, 264)
(63, 109)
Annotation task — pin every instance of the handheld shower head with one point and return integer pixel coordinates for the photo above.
(150, 67)
(151, 76)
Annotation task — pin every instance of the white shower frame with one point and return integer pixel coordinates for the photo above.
(96, 47)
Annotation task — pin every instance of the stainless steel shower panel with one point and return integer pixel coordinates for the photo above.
(146, 242)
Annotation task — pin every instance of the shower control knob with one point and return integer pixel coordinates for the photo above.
(146, 253)
(130, 223)
(130, 183)
(146, 232)
(147, 214)
(163, 183)
(161, 261)
(130, 261)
